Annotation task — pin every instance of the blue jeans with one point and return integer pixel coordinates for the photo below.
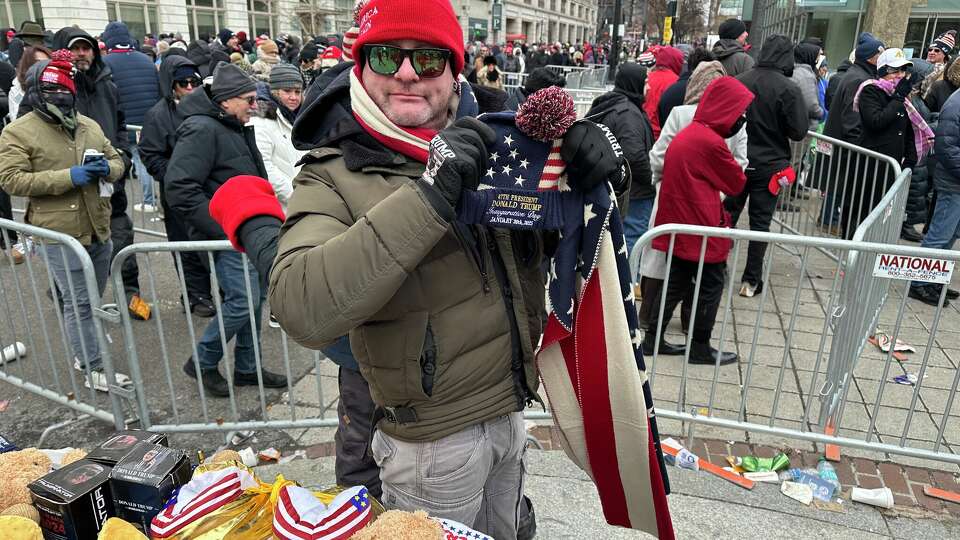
(944, 226)
(235, 313)
(637, 221)
(77, 311)
(146, 181)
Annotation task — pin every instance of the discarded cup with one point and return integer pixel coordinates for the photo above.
(13, 352)
(881, 497)
(248, 457)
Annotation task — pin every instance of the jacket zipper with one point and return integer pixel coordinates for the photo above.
(468, 241)
(516, 349)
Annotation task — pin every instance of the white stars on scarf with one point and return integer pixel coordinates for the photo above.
(494, 157)
(507, 169)
(524, 163)
(508, 140)
(519, 181)
(588, 214)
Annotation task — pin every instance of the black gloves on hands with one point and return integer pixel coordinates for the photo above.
(593, 155)
(903, 88)
(458, 158)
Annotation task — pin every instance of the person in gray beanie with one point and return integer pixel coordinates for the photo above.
(730, 49)
(214, 144)
(273, 121)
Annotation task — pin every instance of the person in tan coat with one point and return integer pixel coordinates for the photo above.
(42, 158)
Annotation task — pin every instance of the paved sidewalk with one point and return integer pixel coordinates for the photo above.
(702, 506)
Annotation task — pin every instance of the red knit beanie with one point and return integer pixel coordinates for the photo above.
(59, 71)
(429, 21)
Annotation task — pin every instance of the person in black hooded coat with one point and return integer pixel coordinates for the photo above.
(622, 111)
(156, 147)
(199, 53)
(776, 116)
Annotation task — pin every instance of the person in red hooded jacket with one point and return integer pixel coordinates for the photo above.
(664, 73)
(698, 166)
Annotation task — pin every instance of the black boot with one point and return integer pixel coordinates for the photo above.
(952, 294)
(928, 294)
(270, 380)
(910, 234)
(203, 307)
(528, 520)
(212, 380)
(703, 353)
(667, 349)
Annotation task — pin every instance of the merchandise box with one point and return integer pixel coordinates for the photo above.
(145, 479)
(118, 445)
(74, 501)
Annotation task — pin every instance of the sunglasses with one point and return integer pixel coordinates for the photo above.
(934, 49)
(194, 83)
(386, 60)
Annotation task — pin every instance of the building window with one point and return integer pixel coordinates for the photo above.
(141, 18)
(14, 12)
(263, 17)
(206, 17)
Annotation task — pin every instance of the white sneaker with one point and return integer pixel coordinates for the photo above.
(13, 352)
(98, 379)
(145, 208)
(747, 290)
(274, 323)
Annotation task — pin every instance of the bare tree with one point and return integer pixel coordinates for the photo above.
(689, 23)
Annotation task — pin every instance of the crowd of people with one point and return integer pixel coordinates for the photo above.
(366, 259)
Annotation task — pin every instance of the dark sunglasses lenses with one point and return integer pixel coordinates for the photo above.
(933, 49)
(427, 63)
(188, 82)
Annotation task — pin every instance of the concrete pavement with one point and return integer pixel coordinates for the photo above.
(701, 506)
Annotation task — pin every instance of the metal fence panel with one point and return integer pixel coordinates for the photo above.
(36, 330)
(801, 342)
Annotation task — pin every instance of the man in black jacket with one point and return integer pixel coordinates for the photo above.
(776, 116)
(843, 122)
(834, 83)
(178, 77)
(622, 111)
(98, 98)
(213, 145)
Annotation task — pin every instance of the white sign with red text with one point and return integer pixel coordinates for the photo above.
(905, 267)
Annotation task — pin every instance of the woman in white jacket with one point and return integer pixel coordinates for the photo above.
(273, 125)
(653, 263)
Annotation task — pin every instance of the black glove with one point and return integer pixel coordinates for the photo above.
(903, 88)
(458, 158)
(593, 155)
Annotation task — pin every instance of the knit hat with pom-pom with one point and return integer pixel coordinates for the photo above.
(59, 71)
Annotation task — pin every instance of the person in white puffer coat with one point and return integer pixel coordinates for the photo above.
(273, 124)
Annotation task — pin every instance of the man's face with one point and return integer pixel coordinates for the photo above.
(743, 38)
(83, 55)
(290, 97)
(241, 106)
(185, 86)
(935, 55)
(407, 99)
(232, 42)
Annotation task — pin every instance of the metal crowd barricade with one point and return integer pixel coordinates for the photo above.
(156, 350)
(145, 223)
(789, 336)
(37, 354)
(863, 295)
(838, 183)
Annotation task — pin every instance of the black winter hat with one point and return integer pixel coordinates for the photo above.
(225, 35)
(731, 29)
(230, 81)
(541, 78)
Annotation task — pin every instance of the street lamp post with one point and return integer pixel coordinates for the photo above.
(615, 43)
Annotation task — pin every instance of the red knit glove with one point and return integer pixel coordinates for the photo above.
(785, 177)
(241, 198)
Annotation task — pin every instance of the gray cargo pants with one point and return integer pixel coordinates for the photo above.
(474, 476)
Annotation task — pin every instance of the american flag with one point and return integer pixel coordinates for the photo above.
(301, 516)
(589, 357)
(204, 494)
